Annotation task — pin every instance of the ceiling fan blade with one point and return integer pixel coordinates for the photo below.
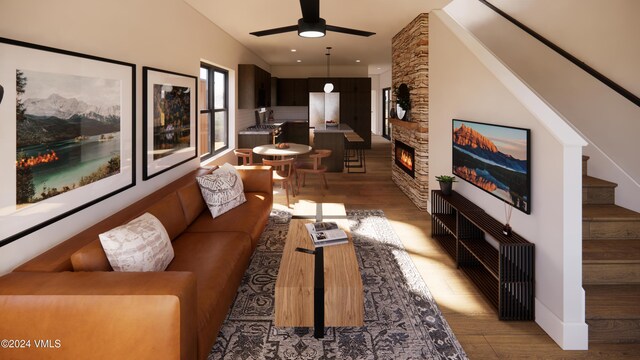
(274, 31)
(310, 10)
(349, 31)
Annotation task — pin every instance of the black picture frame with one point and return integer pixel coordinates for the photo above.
(103, 119)
(169, 110)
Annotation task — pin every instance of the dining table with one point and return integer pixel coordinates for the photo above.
(272, 150)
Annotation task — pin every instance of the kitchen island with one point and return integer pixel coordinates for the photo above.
(331, 138)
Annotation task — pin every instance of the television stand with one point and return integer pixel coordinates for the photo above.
(506, 275)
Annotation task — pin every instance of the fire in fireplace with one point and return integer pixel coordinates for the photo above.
(405, 157)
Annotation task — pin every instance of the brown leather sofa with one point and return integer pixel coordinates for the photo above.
(100, 314)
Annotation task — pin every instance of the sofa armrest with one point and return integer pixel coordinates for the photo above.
(99, 315)
(256, 178)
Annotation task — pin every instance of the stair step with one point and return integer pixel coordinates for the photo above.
(612, 301)
(612, 313)
(608, 213)
(614, 331)
(598, 191)
(584, 164)
(611, 251)
(611, 273)
(590, 181)
(609, 221)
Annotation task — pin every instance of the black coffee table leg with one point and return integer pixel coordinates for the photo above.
(318, 295)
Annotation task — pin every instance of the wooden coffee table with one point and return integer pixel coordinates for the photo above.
(303, 301)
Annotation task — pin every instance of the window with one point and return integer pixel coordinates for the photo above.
(386, 104)
(214, 110)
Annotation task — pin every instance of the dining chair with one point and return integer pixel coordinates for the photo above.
(245, 155)
(314, 167)
(283, 173)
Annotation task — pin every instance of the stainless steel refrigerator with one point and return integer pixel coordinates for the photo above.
(323, 107)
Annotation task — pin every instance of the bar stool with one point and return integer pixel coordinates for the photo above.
(244, 155)
(354, 157)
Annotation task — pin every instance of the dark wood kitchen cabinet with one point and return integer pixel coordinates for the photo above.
(254, 87)
(355, 102)
(355, 106)
(317, 84)
(249, 141)
(296, 132)
(293, 92)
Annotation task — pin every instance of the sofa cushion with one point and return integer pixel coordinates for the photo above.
(250, 217)
(192, 201)
(218, 260)
(91, 257)
(169, 211)
(140, 245)
(222, 190)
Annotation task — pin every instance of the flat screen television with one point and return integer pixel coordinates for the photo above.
(494, 158)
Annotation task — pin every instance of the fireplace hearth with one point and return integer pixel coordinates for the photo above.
(405, 158)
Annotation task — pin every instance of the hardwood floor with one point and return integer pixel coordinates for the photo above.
(472, 319)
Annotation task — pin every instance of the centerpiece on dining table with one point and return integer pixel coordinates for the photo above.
(282, 146)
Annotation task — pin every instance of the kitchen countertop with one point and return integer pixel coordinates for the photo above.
(341, 128)
(255, 132)
(268, 131)
(281, 122)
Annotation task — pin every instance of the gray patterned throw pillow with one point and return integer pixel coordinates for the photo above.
(140, 245)
(222, 190)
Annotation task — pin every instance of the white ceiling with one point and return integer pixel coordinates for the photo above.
(384, 17)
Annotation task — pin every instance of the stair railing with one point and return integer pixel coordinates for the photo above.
(591, 71)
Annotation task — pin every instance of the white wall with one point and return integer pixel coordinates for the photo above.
(165, 34)
(606, 35)
(376, 105)
(468, 82)
(602, 34)
(385, 80)
(378, 82)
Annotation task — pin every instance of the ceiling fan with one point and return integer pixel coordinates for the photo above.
(311, 24)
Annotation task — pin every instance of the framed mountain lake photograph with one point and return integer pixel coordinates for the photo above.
(168, 120)
(68, 121)
(494, 158)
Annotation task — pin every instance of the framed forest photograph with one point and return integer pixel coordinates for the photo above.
(169, 120)
(68, 123)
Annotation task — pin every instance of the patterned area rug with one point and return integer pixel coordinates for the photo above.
(402, 321)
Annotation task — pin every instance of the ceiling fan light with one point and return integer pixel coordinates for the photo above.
(328, 87)
(312, 30)
(311, 34)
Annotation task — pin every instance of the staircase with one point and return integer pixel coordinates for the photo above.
(610, 263)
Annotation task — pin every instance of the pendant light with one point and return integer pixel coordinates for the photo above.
(328, 86)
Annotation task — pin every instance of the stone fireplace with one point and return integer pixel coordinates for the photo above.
(410, 57)
(405, 157)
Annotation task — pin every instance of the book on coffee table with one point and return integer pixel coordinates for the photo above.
(326, 233)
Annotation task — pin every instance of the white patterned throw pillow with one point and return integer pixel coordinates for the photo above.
(222, 190)
(140, 245)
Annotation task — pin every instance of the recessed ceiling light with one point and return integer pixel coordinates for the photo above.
(298, 60)
(358, 60)
(293, 50)
(379, 68)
